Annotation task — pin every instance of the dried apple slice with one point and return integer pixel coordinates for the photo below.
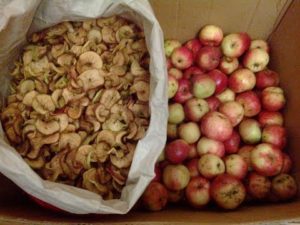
(91, 79)
(89, 60)
(43, 104)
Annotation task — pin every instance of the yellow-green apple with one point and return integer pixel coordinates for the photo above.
(170, 46)
(191, 71)
(234, 45)
(172, 131)
(194, 45)
(226, 96)
(227, 191)
(270, 118)
(192, 166)
(256, 59)
(208, 58)
(236, 166)
(261, 44)
(210, 146)
(284, 187)
(211, 165)
(287, 163)
(232, 144)
(176, 177)
(190, 132)
(266, 159)
(203, 86)
(175, 196)
(213, 103)
(174, 72)
(193, 151)
(172, 86)
(272, 99)
(274, 134)
(250, 102)
(177, 151)
(176, 113)
(211, 35)
(245, 152)
(155, 197)
(258, 186)
(233, 110)
(182, 58)
(228, 65)
(220, 79)
(197, 192)
(216, 125)
(266, 78)
(241, 80)
(250, 131)
(195, 109)
(183, 93)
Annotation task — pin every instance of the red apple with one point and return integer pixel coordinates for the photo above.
(250, 102)
(157, 172)
(176, 113)
(226, 96)
(168, 63)
(177, 151)
(192, 71)
(176, 177)
(170, 46)
(228, 65)
(211, 35)
(284, 187)
(275, 135)
(266, 78)
(266, 159)
(172, 86)
(213, 103)
(236, 166)
(206, 145)
(245, 152)
(193, 151)
(155, 197)
(256, 59)
(241, 80)
(211, 165)
(270, 118)
(203, 86)
(220, 79)
(195, 109)
(208, 58)
(197, 192)
(217, 126)
(183, 93)
(250, 131)
(233, 110)
(190, 132)
(258, 186)
(172, 131)
(227, 191)
(232, 144)
(163, 164)
(192, 166)
(261, 44)
(287, 163)
(176, 73)
(272, 99)
(234, 45)
(182, 58)
(175, 196)
(194, 45)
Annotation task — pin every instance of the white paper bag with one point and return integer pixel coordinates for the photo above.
(17, 18)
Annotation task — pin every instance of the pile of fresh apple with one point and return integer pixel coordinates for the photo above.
(226, 137)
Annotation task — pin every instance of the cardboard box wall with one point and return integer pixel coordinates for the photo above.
(278, 20)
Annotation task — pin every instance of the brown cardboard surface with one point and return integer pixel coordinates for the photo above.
(16, 209)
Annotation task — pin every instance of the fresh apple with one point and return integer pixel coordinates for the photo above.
(183, 93)
(213, 103)
(228, 65)
(163, 164)
(227, 191)
(177, 151)
(284, 187)
(157, 172)
(203, 86)
(258, 186)
(220, 79)
(245, 152)
(208, 58)
(241, 80)
(256, 59)
(272, 99)
(169, 63)
(170, 46)
(193, 151)
(155, 197)
(172, 86)
(250, 102)
(266, 78)
(195, 109)
(232, 144)
(182, 58)
(192, 166)
(190, 132)
(211, 165)
(175, 196)
(233, 110)
(176, 177)
(176, 113)
(275, 135)
(211, 35)
(217, 126)
(234, 45)
(174, 72)
(210, 146)
(250, 131)
(287, 163)
(266, 159)
(192, 71)
(270, 118)
(161, 157)
(261, 44)
(198, 192)
(226, 96)
(194, 45)
(172, 131)
(236, 166)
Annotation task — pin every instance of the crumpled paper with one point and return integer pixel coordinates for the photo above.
(19, 18)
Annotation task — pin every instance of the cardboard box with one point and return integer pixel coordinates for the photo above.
(277, 20)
